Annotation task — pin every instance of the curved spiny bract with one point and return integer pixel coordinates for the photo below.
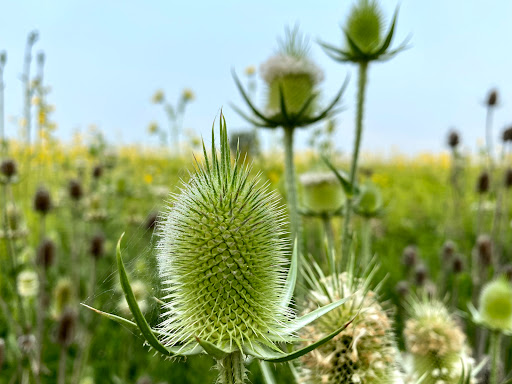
(222, 257)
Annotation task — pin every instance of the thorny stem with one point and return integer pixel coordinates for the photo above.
(495, 347)
(346, 234)
(291, 185)
(232, 369)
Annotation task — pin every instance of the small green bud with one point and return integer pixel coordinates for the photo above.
(496, 304)
(322, 192)
(369, 202)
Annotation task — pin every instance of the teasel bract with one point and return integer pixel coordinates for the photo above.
(436, 343)
(222, 255)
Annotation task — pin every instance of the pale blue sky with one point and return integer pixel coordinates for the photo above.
(106, 58)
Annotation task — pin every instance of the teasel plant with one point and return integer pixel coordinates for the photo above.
(363, 33)
(365, 351)
(222, 260)
(456, 179)
(292, 79)
(175, 115)
(494, 314)
(436, 344)
(27, 85)
(3, 141)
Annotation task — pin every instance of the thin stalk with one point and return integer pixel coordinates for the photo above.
(291, 185)
(62, 365)
(232, 369)
(488, 138)
(361, 90)
(329, 234)
(495, 347)
(366, 241)
(41, 304)
(2, 122)
(27, 90)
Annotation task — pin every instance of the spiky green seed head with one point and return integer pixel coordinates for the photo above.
(222, 254)
(365, 352)
(62, 296)
(365, 25)
(496, 304)
(321, 192)
(435, 342)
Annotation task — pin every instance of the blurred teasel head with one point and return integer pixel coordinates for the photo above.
(453, 139)
(66, 327)
(420, 274)
(42, 201)
(46, 253)
(62, 296)
(448, 250)
(97, 245)
(484, 249)
(457, 263)
(292, 74)
(508, 178)
(482, 185)
(495, 305)
(402, 288)
(507, 272)
(435, 342)
(409, 256)
(27, 284)
(507, 135)
(97, 171)
(75, 190)
(8, 168)
(492, 98)
(365, 25)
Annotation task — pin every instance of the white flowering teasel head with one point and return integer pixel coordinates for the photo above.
(222, 259)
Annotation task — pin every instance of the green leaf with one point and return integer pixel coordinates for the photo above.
(246, 117)
(266, 370)
(291, 279)
(141, 322)
(329, 108)
(118, 319)
(342, 177)
(355, 48)
(282, 103)
(246, 98)
(211, 349)
(319, 312)
(305, 106)
(264, 353)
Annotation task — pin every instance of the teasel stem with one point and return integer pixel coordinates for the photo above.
(494, 351)
(62, 365)
(41, 305)
(488, 137)
(2, 118)
(291, 185)
(366, 241)
(329, 234)
(27, 92)
(232, 369)
(361, 90)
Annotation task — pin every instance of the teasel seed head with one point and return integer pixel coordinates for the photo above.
(322, 192)
(507, 272)
(97, 171)
(492, 98)
(46, 253)
(495, 304)
(63, 294)
(453, 139)
(42, 201)
(484, 249)
(75, 190)
(420, 275)
(97, 245)
(410, 256)
(66, 327)
(27, 284)
(448, 250)
(402, 288)
(508, 178)
(365, 25)
(457, 264)
(435, 342)
(365, 352)
(8, 168)
(27, 343)
(222, 254)
(507, 135)
(483, 183)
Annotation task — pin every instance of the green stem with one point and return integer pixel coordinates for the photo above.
(232, 369)
(346, 235)
(2, 129)
(291, 185)
(62, 365)
(329, 234)
(366, 242)
(495, 347)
